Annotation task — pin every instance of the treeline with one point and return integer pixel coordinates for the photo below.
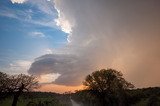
(147, 96)
(136, 97)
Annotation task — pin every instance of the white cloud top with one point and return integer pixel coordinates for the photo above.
(18, 1)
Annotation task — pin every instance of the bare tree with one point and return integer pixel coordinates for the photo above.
(17, 84)
(21, 83)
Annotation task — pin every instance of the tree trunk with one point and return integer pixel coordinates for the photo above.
(122, 98)
(102, 99)
(16, 95)
(15, 99)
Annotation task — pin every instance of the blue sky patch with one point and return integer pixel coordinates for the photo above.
(27, 30)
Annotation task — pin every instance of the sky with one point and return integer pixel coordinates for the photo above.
(27, 31)
(62, 41)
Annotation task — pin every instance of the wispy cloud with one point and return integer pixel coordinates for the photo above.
(49, 51)
(43, 15)
(37, 34)
(7, 12)
(26, 16)
(20, 63)
(17, 66)
(44, 6)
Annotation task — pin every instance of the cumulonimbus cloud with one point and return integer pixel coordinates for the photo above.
(117, 34)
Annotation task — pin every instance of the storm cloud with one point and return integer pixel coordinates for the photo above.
(119, 34)
(68, 66)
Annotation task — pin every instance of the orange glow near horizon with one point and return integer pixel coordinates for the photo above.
(59, 88)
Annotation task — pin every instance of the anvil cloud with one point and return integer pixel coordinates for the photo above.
(118, 34)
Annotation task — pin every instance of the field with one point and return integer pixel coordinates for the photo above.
(38, 99)
(136, 97)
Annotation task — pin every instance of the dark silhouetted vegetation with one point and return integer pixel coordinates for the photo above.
(102, 88)
(109, 88)
(134, 97)
(39, 99)
(16, 84)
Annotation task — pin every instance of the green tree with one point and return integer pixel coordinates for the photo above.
(106, 83)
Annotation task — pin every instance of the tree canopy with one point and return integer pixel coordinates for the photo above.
(12, 83)
(105, 80)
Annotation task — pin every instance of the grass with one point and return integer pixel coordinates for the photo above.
(32, 102)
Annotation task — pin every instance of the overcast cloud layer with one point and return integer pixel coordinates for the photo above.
(119, 34)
